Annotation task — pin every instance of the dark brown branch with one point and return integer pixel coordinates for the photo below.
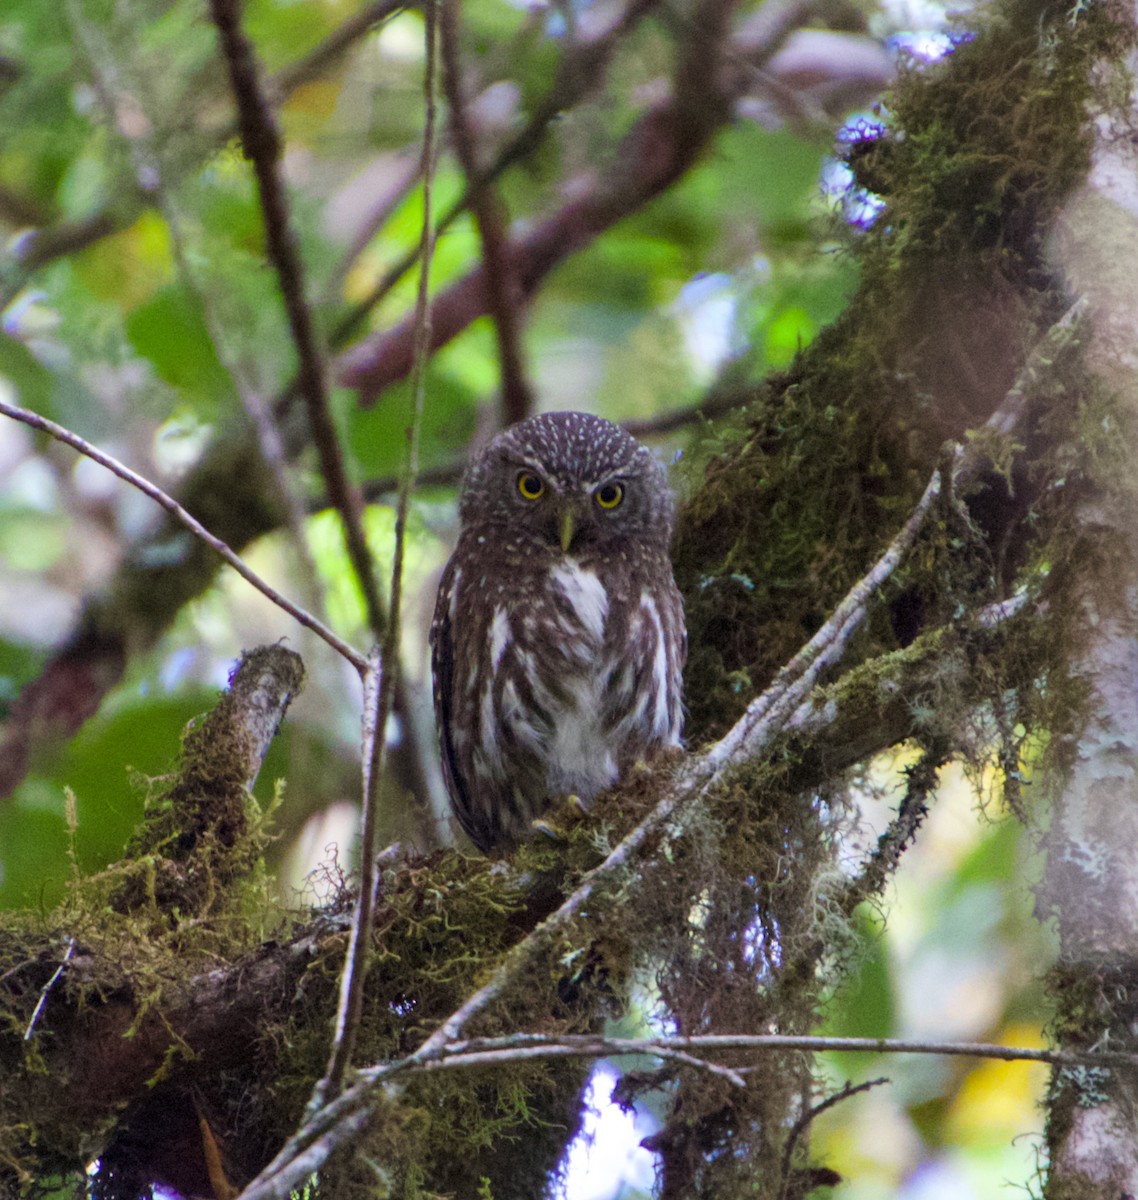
(333, 47)
(580, 72)
(804, 1121)
(489, 215)
(384, 669)
(46, 244)
(662, 145)
(262, 147)
(17, 209)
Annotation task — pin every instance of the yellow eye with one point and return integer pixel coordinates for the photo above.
(609, 495)
(530, 486)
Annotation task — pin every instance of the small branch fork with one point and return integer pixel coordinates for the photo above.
(785, 701)
(346, 1116)
(658, 149)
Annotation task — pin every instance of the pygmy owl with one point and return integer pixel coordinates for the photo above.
(558, 639)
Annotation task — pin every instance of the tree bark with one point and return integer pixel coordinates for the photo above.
(1091, 881)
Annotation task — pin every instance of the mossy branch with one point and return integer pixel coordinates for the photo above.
(788, 701)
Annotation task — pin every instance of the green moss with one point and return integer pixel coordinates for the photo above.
(975, 156)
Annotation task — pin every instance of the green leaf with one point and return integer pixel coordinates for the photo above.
(169, 330)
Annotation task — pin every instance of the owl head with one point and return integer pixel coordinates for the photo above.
(570, 481)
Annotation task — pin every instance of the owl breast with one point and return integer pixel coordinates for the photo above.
(567, 724)
(581, 683)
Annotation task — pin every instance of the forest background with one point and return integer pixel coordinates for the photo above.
(805, 251)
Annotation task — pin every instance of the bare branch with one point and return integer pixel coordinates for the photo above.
(489, 211)
(262, 146)
(581, 70)
(334, 1125)
(660, 147)
(46, 244)
(811, 1114)
(592, 1046)
(190, 522)
(379, 709)
(321, 57)
(765, 719)
(46, 990)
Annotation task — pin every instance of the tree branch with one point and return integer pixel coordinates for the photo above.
(359, 945)
(660, 147)
(262, 147)
(488, 209)
(764, 720)
(190, 522)
(580, 71)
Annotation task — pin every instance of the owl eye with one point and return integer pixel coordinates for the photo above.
(609, 495)
(530, 486)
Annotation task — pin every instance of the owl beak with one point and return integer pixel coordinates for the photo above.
(568, 528)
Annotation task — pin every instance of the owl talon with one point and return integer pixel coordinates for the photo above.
(566, 812)
(554, 832)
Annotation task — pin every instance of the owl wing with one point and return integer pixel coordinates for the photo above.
(442, 641)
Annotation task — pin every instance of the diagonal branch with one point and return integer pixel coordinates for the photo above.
(46, 244)
(489, 211)
(190, 522)
(580, 71)
(660, 147)
(263, 147)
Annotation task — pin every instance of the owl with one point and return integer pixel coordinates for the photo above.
(558, 639)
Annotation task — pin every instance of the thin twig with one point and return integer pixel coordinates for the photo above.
(359, 945)
(333, 1125)
(592, 1048)
(713, 1042)
(503, 302)
(42, 1001)
(148, 164)
(262, 147)
(810, 1115)
(309, 66)
(45, 245)
(580, 71)
(190, 522)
